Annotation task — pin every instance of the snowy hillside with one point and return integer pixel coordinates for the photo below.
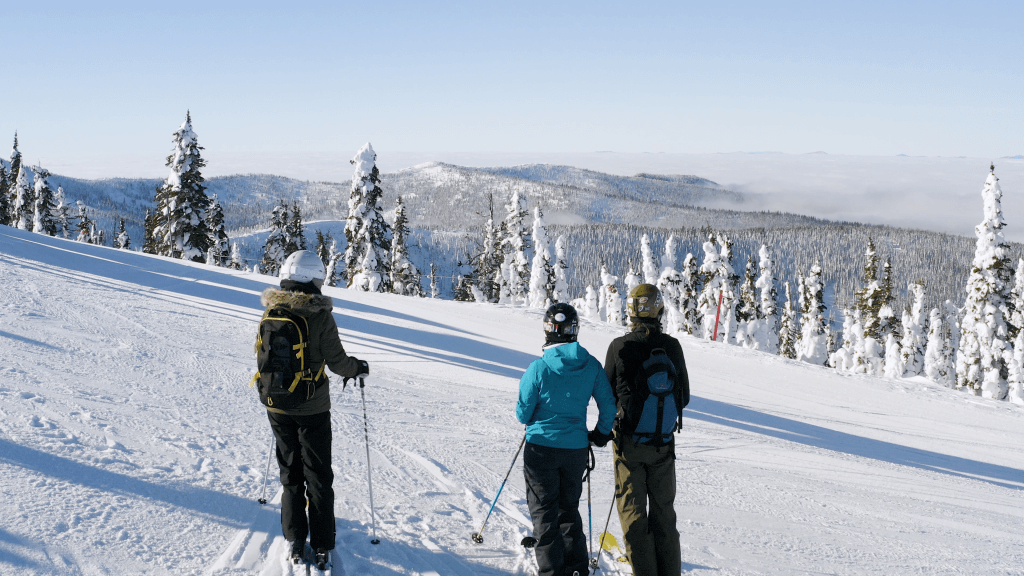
(130, 442)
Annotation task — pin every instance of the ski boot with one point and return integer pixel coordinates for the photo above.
(323, 559)
(297, 552)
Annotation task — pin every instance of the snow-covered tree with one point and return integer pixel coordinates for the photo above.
(23, 205)
(333, 275)
(122, 241)
(515, 269)
(542, 272)
(561, 291)
(294, 231)
(487, 264)
(181, 201)
(812, 347)
(1015, 320)
(8, 190)
(670, 284)
(914, 333)
(236, 258)
(842, 358)
(938, 355)
(61, 212)
(5, 196)
(717, 292)
(612, 298)
(591, 308)
(632, 279)
(746, 308)
(650, 269)
(787, 327)
(220, 245)
(869, 300)
(367, 262)
(405, 277)
(274, 253)
(893, 359)
(435, 288)
(85, 224)
(981, 367)
(323, 246)
(44, 218)
(888, 321)
(767, 336)
(1015, 362)
(689, 294)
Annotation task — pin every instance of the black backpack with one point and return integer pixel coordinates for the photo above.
(652, 407)
(282, 378)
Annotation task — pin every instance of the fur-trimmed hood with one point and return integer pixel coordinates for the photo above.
(298, 302)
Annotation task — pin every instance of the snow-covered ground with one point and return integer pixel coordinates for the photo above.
(131, 444)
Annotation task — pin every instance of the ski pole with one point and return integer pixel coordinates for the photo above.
(591, 464)
(600, 543)
(369, 476)
(478, 537)
(263, 494)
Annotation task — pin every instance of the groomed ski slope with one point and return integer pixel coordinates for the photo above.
(131, 444)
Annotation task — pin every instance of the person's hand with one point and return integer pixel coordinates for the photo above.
(598, 438)
(364, 369)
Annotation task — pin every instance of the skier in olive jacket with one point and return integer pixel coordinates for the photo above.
(553, 397)
(303, 433)
(645, 473)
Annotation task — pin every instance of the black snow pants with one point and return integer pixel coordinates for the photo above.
(554, 483)
(304, 456)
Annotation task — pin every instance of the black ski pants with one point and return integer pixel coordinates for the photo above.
(304, 456)
(554, 483)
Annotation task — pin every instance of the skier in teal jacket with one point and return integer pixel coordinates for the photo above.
(553, 397)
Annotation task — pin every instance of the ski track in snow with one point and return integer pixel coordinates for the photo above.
(131, 443)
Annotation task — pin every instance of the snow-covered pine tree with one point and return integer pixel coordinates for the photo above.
(149, 241)
(746, 308)
(1015, 320)
(561, 291)
(274, 248)
(767, 337)
(181, 200)
(649, 268)
(714, 277)
(23, 209)
(869, 300)
(542, 272)
(333, 274)
(787, 327)
(689, 293)
(888, 321)
(236, 258)
(981, 367)
(1015, 377)
(893, 360)
(323, 246)
(435, 288)
(10, 216)
(670, 284)
(842, 358)
(44, 218)
(515, 269)
(730, 297)
(294, 232)
(367, 262)
(485, 262)
(405, 277)
(591, 309)
(612, 298)
(914, 333)
(5, 196)
(464, 281)
(813, 347)
(85, 224)
(632, 279)
(61, 213)
(938, 358)
(220, 245)
(122, 241)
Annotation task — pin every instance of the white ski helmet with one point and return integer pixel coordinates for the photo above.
(303, 266)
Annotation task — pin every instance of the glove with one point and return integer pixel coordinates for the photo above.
(598, 438)
(363, 371)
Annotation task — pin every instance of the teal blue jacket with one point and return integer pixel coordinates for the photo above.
(554, 394)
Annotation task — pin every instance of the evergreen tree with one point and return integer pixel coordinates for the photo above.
(5, 196)
(1015, 378)
(236, 258)
(670, 283)
(592, 306)
(981, 367)
(649, 268)
(869, 300)
(515, 270)
(464, 281)
(61, 213)
(813, 346)
(938, 358)
(367, 261)
(181, 230)
(914, 333)
(10, 216)
(44, 219)
(334, 274)
(689, 293)
(488, 262)
(561, 290)
(787, 328)
(405, 278)
(632, 278)
(842, 358)
(888, 321)
(730, 298)
(893, 360)
(122, 240)
(23, 209)
(768, 334)
(150, 245)
(542, 273)
(612, 298)
(295, 234)
(746, 309)
(85, 224)
(220, 245)
(435, 288)
(274, 250)
(1015, 319)
(323, 246)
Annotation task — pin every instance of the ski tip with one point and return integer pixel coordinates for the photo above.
(528, 542)
(477, 538)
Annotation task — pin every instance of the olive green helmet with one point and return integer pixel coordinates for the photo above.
(644, 301)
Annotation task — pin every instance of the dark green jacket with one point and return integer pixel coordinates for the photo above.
(324, 344)
(625, 356)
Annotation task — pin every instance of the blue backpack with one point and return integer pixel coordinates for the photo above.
(653, 404)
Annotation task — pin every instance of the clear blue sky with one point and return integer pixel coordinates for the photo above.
(873, 78)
